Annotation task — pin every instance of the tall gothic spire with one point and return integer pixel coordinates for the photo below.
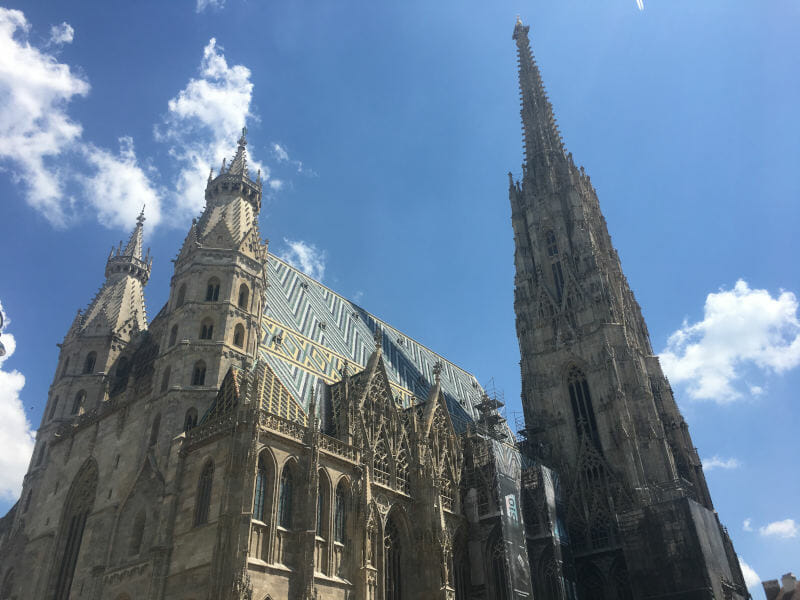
(542, 137)
(234, 180)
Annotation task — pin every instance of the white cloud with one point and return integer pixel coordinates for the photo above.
(280, 153)
(62, 34)
(34, 125)
(44, 146)
(751, 578)
(16, 434)
(747, 525)
(640, 4)
(120, 187)
(305, 257)
(742, 329)
(715, 462)
(782, 529)
(282, 156)
(203, 123)
(204, 4)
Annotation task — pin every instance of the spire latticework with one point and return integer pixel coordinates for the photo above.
(542, 137)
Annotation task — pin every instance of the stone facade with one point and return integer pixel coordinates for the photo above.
(263, 437)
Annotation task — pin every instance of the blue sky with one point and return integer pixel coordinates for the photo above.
(385, 132)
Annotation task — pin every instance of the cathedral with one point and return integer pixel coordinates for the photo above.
(264, 438)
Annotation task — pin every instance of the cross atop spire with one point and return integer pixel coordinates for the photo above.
(542, 137)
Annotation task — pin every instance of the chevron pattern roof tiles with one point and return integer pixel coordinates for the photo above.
(310, 332)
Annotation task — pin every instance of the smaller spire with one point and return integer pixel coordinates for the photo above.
(131, 260)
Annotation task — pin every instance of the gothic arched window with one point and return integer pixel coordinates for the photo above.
(181, 296)
(173, 335)
(402, 468)
(79, 404)
(91, 359)
(260, 496)
(393, 555)
(323, 502)
(66, 367)
(137, 533)
(165, 379)
(581, 401)
(238, 336)
(499, 569)
(244, 296)
(340, 514)
(381, 462)
(285, 500)
(190, 419)
(206, 329)
(204, 494)
(80, 502)
(212, 290)
(199, 373)
(552, 245)
(154, 430)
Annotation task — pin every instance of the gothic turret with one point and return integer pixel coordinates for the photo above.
(597, 406)
(211, 321)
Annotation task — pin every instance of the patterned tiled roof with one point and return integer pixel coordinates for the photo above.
(310, 332)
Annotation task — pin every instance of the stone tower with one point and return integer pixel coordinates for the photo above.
(216, 292)
(97, 338)
(597, 406)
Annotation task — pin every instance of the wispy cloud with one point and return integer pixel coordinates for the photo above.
(202, 124)
(747, 525)
(743, 330)
(16, 434)
(62, 34)
(206, 4)
(640, 4)
(751, 578)
(281, 154)
(715, 462)
(42, 144)
(306, 257)
(782, 529)
(120, 187)
(35, 128)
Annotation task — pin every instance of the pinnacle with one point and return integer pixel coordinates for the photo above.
(135, 243)
(239, 162)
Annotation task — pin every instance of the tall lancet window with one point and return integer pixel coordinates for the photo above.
(285, 499)
(260, 496)
(392, 575)
(203, 502)
(80, 502)
(581, 401)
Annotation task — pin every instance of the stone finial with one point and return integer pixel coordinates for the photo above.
(437, 371)
(378, 337)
